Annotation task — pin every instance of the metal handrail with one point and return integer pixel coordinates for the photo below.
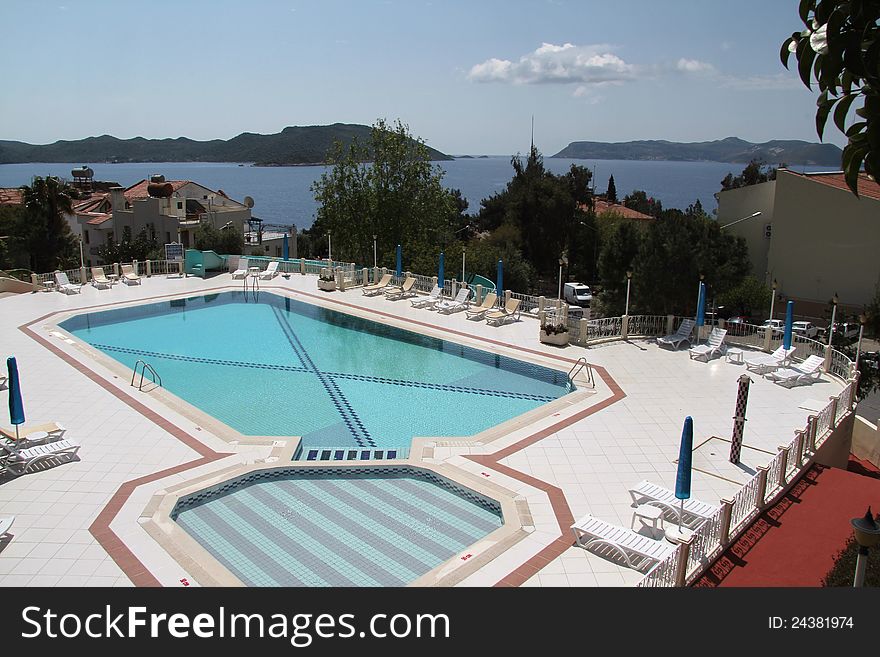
(576, 369)
(144, 367)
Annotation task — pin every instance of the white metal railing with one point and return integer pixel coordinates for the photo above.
(528, 303)
(603, 329)
(841, 365)
(646, 325)
(751, 335)
(745, 503)
(665, 572)
(704, 546)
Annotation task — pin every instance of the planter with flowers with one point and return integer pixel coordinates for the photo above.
(555, 334)
(327, 281)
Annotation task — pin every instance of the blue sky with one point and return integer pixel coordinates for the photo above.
(465, 76)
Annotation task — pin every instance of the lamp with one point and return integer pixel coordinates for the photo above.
(329, 250)
(863, 319)
(463, 249)
(773, 300)
(563, 261)
(374, 252)
(629, 276)
(834, 302)
(867, 531)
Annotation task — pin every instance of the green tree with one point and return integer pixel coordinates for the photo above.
(641, 202)
(387, 187)
(754, 173)
(46, 236)
(840, 50)
(750, 296)
(611, 194)
(222, 240)
(142, 247)
(619, 254)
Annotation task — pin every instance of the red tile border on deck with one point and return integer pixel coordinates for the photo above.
(138, 573)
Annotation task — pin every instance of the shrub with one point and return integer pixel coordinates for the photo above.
(844, 569)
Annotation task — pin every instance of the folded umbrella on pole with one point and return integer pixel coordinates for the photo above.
(16, 407)
(683, 475)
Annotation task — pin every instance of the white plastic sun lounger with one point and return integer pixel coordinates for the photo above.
(20, 460)
(763, 363)
(6, 525)
(129, 276)
(695, 511)
(377, 288)
(712, 348)
(460, 302)
(65, 285)
(271, 271)
(683, 334)
(242, 270)
(429, 300)
(636, 550)
(35, 434)
(502, 315)
(479, 312)
(401, 291)
(99, 278)
(803, 373)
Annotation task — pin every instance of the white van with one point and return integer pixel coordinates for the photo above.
(577, 294)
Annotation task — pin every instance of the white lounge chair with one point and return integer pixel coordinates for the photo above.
(401, 291)
(37, 434)
(763, 363)
(636, 550)
(99, 278)
(510, 312)
(683, 334)
(802, 373)
(479, 312)
(18, 461)
(129, 276)
(271, 271)
(712, 348)
(460, 302)
(430, 300)
(64, 284)
(3, 380)
(695, 511)
(6, 525)
(377, 288)
(242, 270)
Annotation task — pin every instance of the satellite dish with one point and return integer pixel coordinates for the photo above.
(248, 201)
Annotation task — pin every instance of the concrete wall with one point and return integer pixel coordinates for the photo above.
(825, 240)
(738, 203)
(836, 449)
(866, 441)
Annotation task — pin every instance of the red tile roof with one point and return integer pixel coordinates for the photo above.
(10, 196)
(868, 188)
(98, 219)
(602, 206)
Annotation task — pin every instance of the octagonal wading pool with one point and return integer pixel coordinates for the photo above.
(336, 526)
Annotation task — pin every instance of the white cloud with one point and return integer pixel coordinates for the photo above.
(694, 66)
(775, 82)
(552, 64)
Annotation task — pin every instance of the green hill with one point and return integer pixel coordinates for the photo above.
(731, 149)
(293, 145)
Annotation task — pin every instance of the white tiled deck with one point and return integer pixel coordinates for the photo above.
(593, 461)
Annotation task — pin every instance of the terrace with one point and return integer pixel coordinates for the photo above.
(99, 520)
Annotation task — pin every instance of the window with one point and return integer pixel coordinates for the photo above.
(167, 238)
(180, 205)
(86, 236)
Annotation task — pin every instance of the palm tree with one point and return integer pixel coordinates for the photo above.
(47, 235)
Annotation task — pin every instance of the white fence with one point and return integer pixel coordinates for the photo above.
(760, 492)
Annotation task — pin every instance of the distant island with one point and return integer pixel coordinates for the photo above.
(731, 149)
(295, 145)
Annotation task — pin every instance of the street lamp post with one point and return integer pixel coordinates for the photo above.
(773, 299)
(629, 276)
(834, 302)
(81, 261)
(329, 250)
(862, 321)
(751, 216)
(867, 531)
(563, 260)
(374, 252)
(463, 249)
(699, 289)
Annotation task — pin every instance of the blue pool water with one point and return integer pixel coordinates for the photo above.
(281, 367)
(336, 526)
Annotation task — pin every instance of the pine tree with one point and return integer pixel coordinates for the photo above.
(611, 194)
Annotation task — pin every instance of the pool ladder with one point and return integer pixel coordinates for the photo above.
(576, 369)
(154, 375)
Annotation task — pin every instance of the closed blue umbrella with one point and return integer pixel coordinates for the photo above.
(285, 249)
(683, 475)
(499, 279)
(399, 261)
(441, 270)
(789, 321)
(701, 306)
(16, 407)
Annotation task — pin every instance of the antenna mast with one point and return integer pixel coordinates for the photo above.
(532, 145)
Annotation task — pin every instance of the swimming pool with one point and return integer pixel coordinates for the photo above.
(281, 367)
(336, 526)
